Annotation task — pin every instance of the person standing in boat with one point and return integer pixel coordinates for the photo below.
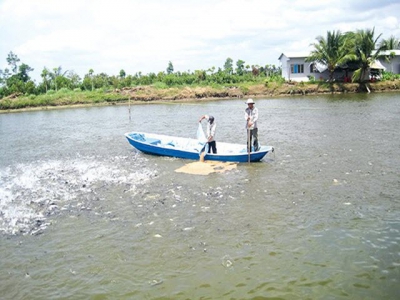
(210, 134)
(251, 116)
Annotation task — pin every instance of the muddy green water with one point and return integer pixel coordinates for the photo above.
(86, 216)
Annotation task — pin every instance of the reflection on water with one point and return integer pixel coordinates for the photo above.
(84, 215)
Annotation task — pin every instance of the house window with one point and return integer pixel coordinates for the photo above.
(296, 68)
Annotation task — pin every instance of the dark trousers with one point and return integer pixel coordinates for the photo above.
(212, 145)
(252, 139)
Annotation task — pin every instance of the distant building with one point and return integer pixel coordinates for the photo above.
(391, 61)
(295, 68)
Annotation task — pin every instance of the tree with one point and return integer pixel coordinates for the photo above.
(391, 43)
(46, 77)
(211, 70)
(170, 68)
(240, 67)
(55, 76)
(122, 74)
(200, 75)
(255, 70)
(14, 85)
(23, 71)
(367, 52)
(91, 77)
(228, 66)
(74, 79)
(16, 80)
(13, 60)
(330, 51)
(6, 74)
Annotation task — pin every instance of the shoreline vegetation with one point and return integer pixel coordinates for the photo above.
(156, 94)
(349, 55)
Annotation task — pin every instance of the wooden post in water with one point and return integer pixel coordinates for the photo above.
(248, 144)
(129, 109)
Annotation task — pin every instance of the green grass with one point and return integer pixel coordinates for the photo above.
(160, 91)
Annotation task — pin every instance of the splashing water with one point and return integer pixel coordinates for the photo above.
(30, 193)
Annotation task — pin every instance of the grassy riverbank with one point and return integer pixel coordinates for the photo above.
(65, 97)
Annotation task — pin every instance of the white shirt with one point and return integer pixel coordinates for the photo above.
(210, 130)
(253, 115)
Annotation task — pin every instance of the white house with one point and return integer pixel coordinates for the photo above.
(392, 64)
(295, 68)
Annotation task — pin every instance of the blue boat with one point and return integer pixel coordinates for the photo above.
(189, 148)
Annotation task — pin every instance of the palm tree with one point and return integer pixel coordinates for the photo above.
(45, 75)
(331, 52)
(91, 77)
(391, 43)
(367, 52)
(57, 72)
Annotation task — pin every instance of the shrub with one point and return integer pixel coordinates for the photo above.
(160, 85)
(63, 90)
(390, 76)
(5, 104)
(274, 78)
(311, 78)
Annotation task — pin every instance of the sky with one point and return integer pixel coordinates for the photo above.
(145, 35)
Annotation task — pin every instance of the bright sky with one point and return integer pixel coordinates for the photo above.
(144, 35)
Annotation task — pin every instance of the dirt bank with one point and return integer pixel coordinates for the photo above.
(142, 94)
(261, 90)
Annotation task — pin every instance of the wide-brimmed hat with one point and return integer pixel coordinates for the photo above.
(249, 101)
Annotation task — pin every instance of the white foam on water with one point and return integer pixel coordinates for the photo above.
(29, 193)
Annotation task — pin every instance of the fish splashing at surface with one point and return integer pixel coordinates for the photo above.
(30, 193)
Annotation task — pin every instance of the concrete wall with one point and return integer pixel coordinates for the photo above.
(393, 65)
(288, 62)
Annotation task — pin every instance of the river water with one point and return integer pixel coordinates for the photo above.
(86, 216)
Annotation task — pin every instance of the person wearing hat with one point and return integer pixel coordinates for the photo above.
(210, 135)
(251, 116)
